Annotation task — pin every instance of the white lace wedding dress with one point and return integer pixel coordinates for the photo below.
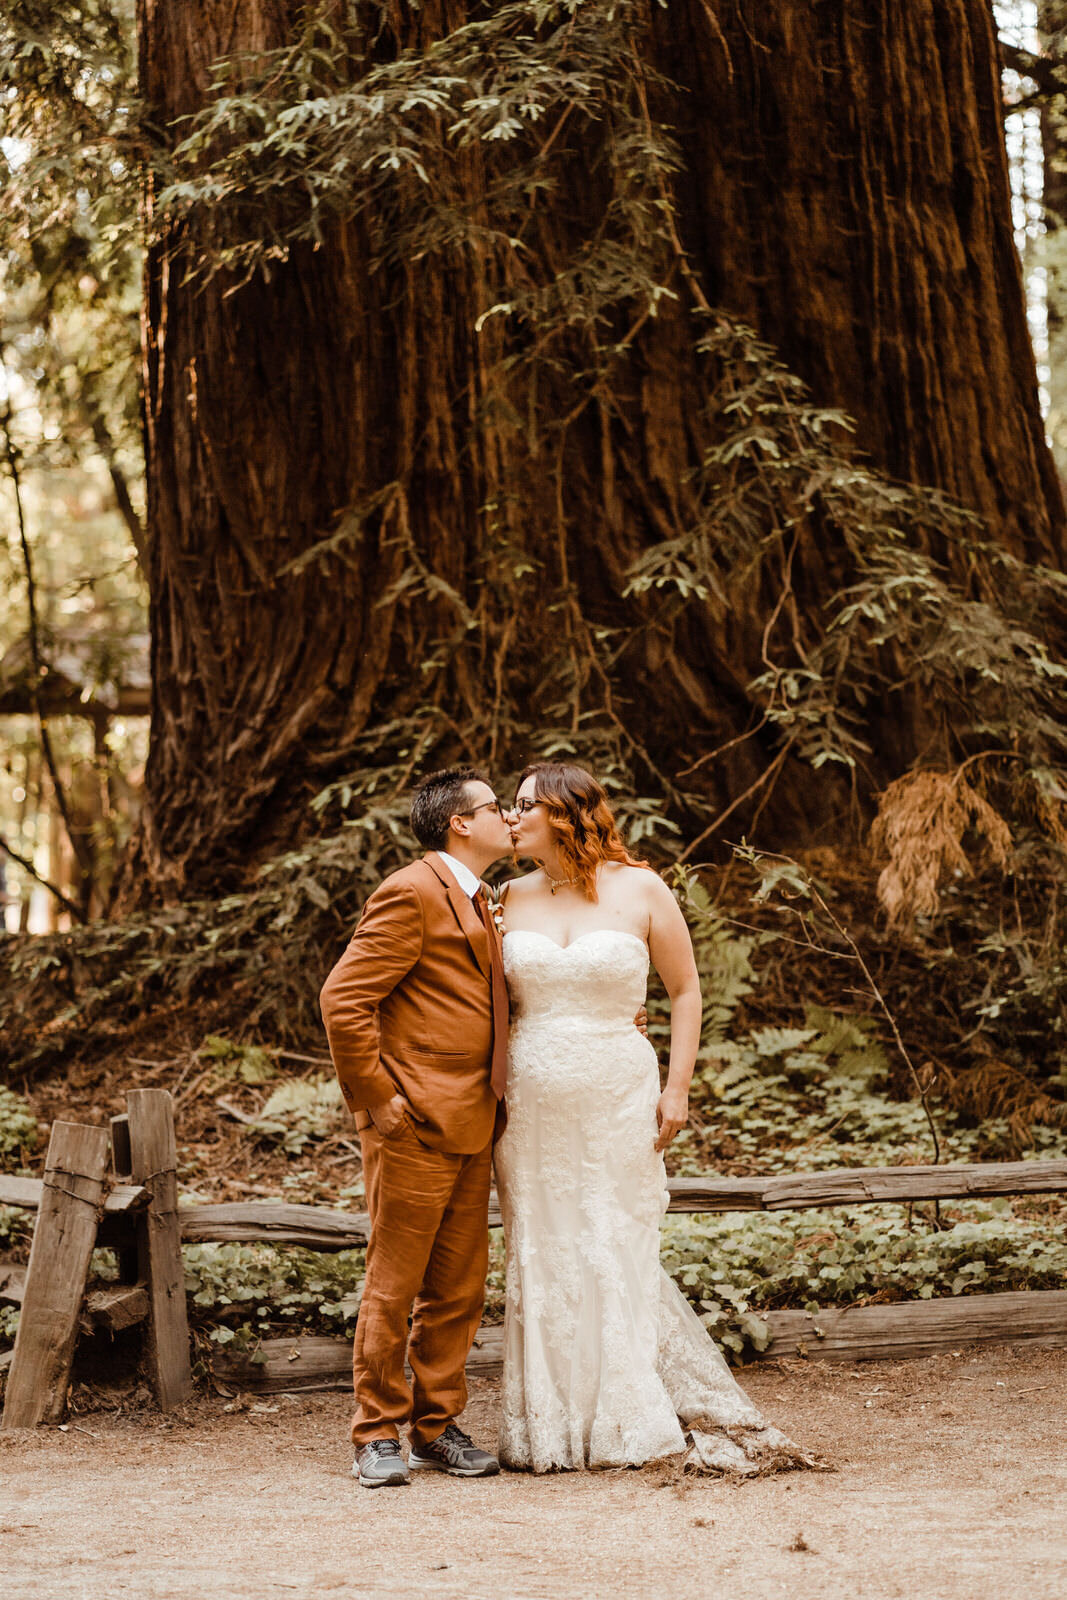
(604, 1359)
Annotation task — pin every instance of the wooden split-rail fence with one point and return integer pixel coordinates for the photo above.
(114, 1187)
(117, 1187)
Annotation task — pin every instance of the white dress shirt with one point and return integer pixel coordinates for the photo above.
(462, 874)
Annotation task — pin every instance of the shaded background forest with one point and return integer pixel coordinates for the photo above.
(680, 386)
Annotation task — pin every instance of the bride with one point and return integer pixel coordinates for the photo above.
(605, 1362)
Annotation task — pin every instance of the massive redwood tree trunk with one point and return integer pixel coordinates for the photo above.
(848, 192)
(843, 189)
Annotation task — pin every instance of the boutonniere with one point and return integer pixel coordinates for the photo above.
(496, 911)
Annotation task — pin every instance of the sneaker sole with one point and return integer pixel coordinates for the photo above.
(417, 1464)
(393, 1481)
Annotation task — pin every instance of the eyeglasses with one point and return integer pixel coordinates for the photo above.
(486, 805)
(522, 806)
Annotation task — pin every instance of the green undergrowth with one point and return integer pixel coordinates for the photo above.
(296, 1113)
(19, 1132)
(20, 1136)
(241, 1294)
(16, 1230)
(732, 1267)
(810, 1096)
(779, 1109)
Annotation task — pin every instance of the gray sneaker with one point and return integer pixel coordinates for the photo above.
(379, 1464)
(453, 1452)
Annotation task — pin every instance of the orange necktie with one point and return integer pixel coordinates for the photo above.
(498, 1076)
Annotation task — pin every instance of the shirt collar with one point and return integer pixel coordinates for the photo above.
(462, 874)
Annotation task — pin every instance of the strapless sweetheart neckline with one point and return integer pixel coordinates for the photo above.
(593, 933)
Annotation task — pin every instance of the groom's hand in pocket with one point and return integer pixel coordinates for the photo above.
(389, 1115)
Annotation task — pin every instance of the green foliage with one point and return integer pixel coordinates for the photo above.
(829, 1070)
(777, 472)
(804, 1098)
(9, 1325)
(1017, 976)
(68, 214)
(723, 957)
(69, 231)
(731, 1267)
(785, 1097)
(268, 1289)
(296, 1112)
(16, 1227)
(764, 1261)
(324, 127)
(243, 1063)
(19, 1132)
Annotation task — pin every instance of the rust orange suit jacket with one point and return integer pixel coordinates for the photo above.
(408, 1008)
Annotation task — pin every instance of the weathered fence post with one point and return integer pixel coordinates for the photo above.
(122, 1166)
(121, 1153)
(154, 1159)
(62, 1248)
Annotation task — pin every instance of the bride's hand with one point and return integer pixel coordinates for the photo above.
(672, 1114)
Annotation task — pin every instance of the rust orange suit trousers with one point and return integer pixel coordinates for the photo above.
(427, 1260)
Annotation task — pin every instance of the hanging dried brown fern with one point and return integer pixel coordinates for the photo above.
(995, 1089)
(922, 822)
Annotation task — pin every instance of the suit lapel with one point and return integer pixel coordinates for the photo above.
(465, 914)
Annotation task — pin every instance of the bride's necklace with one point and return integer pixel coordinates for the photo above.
(559, 883)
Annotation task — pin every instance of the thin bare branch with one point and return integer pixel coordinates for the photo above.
(28, 867)
(77, 842)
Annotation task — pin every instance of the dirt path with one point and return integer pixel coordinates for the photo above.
(951, 1485)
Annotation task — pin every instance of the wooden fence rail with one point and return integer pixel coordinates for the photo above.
(26, 1193)
(849, 1333)
(322, 1228)
(796, 1191)
(906, 1329)
(140, 1218)
(318, 1228)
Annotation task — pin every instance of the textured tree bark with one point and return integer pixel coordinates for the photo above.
(849, 195)
(263, 410)
(1052, 19)
(844, 190)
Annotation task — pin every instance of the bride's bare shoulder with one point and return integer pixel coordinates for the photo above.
(636, 883)
(524, 884)
(622, 873)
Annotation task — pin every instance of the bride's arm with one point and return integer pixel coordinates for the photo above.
(671, 950)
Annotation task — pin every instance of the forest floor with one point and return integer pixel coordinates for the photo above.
(950, 1481)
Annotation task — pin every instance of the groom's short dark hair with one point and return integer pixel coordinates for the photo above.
(436, 800)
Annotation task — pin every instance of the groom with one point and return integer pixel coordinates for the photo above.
(416, 1012)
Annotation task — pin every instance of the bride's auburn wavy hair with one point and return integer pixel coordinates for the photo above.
(581, 819)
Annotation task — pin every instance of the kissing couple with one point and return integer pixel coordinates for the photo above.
(467, 1035)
